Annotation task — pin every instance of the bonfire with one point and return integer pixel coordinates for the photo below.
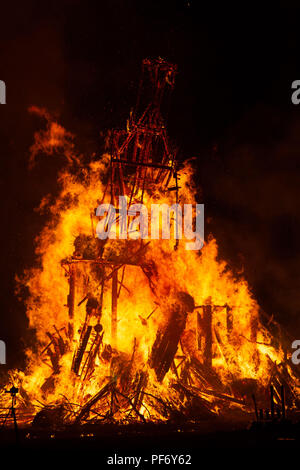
(135, 329)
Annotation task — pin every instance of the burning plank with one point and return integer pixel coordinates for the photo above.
(167, 338)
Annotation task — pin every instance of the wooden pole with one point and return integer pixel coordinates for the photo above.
(206, 322)
(255, 406)
(198, 331)
(272, 401)
(114, 303)
(71, 299)
(229, 322)
(282, 402)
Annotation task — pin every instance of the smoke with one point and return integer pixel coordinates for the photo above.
(55, 138)
(251, 191)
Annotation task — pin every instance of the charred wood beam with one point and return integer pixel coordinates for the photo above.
(137, 164)
(54, 358)
(208, 373)
(87, 407)
(82, 300)
(54, 341)
(198, 331)
(272, 401)
(174, 369)
(81, 349)
(114, 304)
(223, 396)
(255, 407)
(194, 391)
(204, 333)
(167, 339)
(141, 385)
(167, 408)
(229, 322)
(88, 366)
(132, 405)
(282, 402)
(71, 299)
(121, 282)
(207, 327)
(104, 262)
(60, 341)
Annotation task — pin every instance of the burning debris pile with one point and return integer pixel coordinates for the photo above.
(134, 329)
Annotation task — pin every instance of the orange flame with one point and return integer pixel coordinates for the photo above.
(241, 347)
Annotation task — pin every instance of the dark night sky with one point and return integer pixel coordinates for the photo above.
(231, 109)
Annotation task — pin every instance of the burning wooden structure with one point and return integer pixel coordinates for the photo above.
(141, 156)
(138, 331)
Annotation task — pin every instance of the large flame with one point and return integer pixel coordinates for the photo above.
(247, 353)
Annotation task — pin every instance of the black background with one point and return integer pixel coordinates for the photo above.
(231, 110)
